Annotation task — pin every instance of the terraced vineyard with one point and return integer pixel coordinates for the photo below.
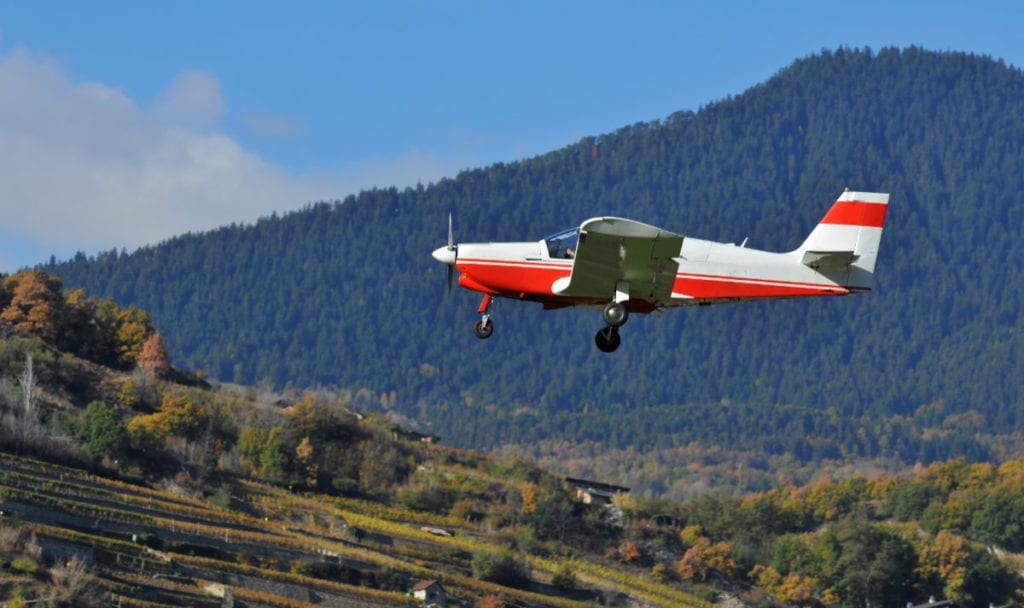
(154, 548)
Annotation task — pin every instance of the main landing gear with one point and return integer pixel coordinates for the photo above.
(614, 315)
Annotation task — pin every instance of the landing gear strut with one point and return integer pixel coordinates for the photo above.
(615, 314)
(485, 326)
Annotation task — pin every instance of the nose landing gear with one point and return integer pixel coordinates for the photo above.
(485, 326)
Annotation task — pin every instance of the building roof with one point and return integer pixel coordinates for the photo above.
(596, 487)
(420, 586)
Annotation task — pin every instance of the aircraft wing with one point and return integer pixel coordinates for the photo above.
(613, 249)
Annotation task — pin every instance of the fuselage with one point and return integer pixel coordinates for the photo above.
(708, 272)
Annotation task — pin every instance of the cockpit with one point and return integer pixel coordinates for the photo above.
(563, 244)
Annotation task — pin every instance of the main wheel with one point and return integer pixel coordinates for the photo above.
(483, 329)
(607, 339)
(615, 314)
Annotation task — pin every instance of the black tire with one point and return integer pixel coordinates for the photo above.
(483, 330)
(615, 314)
(607, 339)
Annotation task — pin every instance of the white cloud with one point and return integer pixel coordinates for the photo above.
(84, 167)
(192, 100)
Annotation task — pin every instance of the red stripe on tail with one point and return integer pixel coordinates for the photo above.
(854, 213)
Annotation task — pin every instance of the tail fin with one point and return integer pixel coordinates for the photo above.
(844, 244)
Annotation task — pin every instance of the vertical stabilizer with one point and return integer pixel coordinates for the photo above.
(844, 244)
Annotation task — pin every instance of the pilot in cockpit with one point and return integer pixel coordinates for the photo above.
(563, 244)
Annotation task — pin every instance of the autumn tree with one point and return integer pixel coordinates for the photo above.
(304, 454)
(790, 588)
(133, 329)
(36, 304)
(704, 556)
(154, 356)
(529, 495)
(178, 415)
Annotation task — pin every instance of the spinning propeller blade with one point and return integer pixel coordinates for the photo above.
(451, 247)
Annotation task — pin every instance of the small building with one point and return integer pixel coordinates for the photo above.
(594, 492)
(431, 593)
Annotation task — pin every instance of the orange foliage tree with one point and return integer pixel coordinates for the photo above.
(154, 356)
(36, 303)
(703, 556)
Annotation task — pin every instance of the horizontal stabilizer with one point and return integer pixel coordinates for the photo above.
(830, 259)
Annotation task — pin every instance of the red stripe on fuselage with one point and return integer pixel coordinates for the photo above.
(856, 213)
(706, 286)
(521, 279)
(513, 277)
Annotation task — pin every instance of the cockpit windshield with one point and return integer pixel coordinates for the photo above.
(563, 244)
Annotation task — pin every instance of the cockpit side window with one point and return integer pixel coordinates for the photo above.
(563, 244)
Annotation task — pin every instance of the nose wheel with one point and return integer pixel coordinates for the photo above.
(483, 328)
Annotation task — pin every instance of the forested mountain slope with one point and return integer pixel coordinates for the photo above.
(928, 365)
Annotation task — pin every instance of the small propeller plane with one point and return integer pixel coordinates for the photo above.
(623, 266)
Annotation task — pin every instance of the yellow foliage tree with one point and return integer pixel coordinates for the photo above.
(791, 588)
(946, 559)
(177, 415)
(691, 534)
(304, 454)
(529, 495)
(795, 589)
(134, 328)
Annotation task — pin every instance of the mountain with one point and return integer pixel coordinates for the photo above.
(927, 366)
(131, 488)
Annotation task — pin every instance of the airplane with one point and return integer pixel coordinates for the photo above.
(622, 266)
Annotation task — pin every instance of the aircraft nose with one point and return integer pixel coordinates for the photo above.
(444, 255)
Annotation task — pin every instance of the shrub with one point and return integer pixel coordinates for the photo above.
(499, 567)
(565, 578)
(24, 565)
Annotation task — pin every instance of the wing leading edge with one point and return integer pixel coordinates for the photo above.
(612, 250)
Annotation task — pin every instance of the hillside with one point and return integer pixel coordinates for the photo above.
(125, 487)
(927, 366)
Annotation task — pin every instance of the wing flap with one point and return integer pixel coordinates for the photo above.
(615, 249)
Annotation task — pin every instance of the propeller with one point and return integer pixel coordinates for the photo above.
(451, 248)
(447, 255)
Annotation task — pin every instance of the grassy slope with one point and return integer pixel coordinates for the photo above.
(252, 549)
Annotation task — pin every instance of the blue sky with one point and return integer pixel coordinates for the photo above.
(124, 123)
